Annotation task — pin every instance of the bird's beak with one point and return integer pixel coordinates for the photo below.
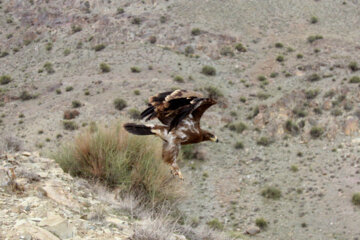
(214, 139)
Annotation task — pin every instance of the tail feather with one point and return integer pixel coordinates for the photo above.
(138, 129)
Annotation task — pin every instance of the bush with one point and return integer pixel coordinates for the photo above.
(280, 58)
(299, 56)
(214, 92)
(299, 112)
(134, 113)
(105, 68)
(48, 46)
(239, 145)
(240, 48)
(120, 10)
(4, 54)
(294, 168)
(179, 79)
(215, 224)
(189, 50)
(67, 52)
(279, 45)
(263, 95)
(120, 104)
(49, 68)
(70, 125)
(261, 78)
(353, 66)
(314, 20)
(316, 132)
(76, 28)
(356, 199)
(76, 104)
(99, 47)
(227, 51)
(117, 158)
(71, 114)
(314, 38)
(264, 141)
(291, 127)
(312, 93)
(152, 39)
(313, 77)
(195, 31)
(336, 112)
(354, 79)
(69, 88)
(25, 95)
(136, 21)
(238, 127)
(5, 79)
(271, 193)
(208, 71)
(135, 69)
(261, 223)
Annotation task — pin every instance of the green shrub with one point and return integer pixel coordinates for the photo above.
(105, 68)
(280, 58)
(163, 19)
(261, 223)
(25, 95)
(135, 69)
(214, 92)
(353, 66)
(354, 79)
(189, 50)
(227, 51)
(299, 56)
(240, 48)
(49, 68)
(120, 104)
(291, 127)
(313, 77)
(208, 70)
(239, 145)
(312, 93)
(263, 95)
(70, 125)
(316, 132)
(314, 20)
(294, 168)
(5, 79)
(195, 31)
(356, 199)
(279, 45)
(299, 112)
(336, 112)
(4, 54)
(179, 79)
(99, 47)
(215, 224)
(314, 38)
(69, 88)
(120, 10)
(76, 28)
(67, 52)
(133, 163)
(237, 127)
(136, 21)
(264, 141)
(261, 78)
(49, 46)
(329, 94)
(76, 104)
(274, 74)
(271, 193)
(137, 92)
(134, 113)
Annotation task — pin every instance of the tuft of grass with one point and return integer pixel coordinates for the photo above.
(5, 79)
(280, 58)
(3, 54)
(179, 79)
(263, 95)
(70, 125)
(271, 193)
(49, 68)
(264, 141)
(227, 51)
(261, 223)
(316, 132)
(313, 20)
(214, 92)
(215, 224)
(69, 88)
(261, 78)
(99, 47)
(279, 45)
(240, 48)
(291, 127)
(120, 104)
(67, 52)
(25, 95)
(208, 70)
(294, 168)
(299, 112)
(299, 56)
(135, 69)
(356, 199)
(136, 21)
(336, 112)
(105, 68)
(237, 127)
(117, 158)
(134, 113)
(71, 114)
(48, 46)
(189, 50)
(313, 77)
(239, 145)
(120, 10)
(195, 31)
(314, 38)
(354, 79)
(312, 93)
(353, 66)
(76, 104)
(76, 28)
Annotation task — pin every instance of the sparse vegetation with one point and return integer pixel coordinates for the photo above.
(264, 141)
(227, 51)
(5, 79)
(70, 125)
(179, 79)
(49, 68)
(105, 68)
(69, 88)
(25, 95)
(67, 52)
(354, 79)
(117, 158)
(271, 193)
(279, 45)
(120, 104)
(214, 92)
(71, 114)
(294, 168)
(76, 28)
(356, 199)
(313, 77)
(312, 93)
(239, 145)
(120, 10)
(316, 132)
(314, 20)
(76, 104)
(135, 69)
(136, 20)
(314, 38)
(208, 70)
(353, 66)
(291, 127)
(195, 31)
(261, 223)
(240, 48)
(237, 127)
(299, 112)
(261, 78)
(215, 224)
(99, 47)
(134, 113)
(49, 46)
(280, 58)
(189, 50)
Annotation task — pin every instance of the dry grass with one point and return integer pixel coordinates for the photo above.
(118, 159)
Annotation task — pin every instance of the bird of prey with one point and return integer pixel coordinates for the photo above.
(180, 112)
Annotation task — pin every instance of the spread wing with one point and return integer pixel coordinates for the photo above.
(172, 107)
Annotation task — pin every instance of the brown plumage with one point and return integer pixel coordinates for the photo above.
(180, 111)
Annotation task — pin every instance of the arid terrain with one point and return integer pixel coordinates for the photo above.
(287, 82)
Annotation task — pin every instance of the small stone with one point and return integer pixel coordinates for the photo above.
(252, 230)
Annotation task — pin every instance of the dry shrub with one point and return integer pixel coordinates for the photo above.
(119, 159)
(154, 229)
(71, 114)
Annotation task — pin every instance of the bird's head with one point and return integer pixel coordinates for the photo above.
(207, 136)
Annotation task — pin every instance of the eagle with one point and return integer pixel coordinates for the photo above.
(179, 112)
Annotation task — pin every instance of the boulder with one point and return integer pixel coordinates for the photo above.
(58, 226)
